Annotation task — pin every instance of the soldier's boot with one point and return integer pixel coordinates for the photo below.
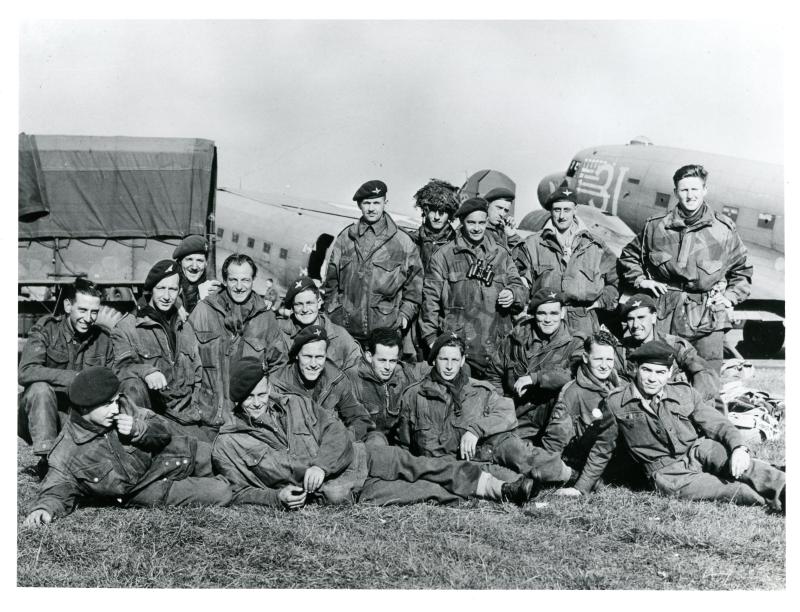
(517, 492)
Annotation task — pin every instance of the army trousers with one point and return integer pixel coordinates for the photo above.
(191, 491)
(42, 412)
(522, 456)
(703, 473)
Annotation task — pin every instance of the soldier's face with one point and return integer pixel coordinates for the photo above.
(600, 360)
(165, 293)
(640, 323)
(498, 211)
(475, 225)
(651, 378)
(372, 209)
(563, 215)
(311, 359)
(437, 218)
(548, 318)
(239, 283)
(82, 312)
(449, 362)
(103, 415)
(193, 266)
(256, 403)
(383, 360)
(306, 307)
(691, 192)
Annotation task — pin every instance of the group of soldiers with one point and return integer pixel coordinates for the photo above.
(455, 361)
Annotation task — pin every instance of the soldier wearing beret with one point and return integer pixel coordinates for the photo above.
(311, 375)
(192, 255)
(500, 226)
(374, 276)
(304, 302)
(533, 362)
(694, 263)
(472, 288)
(57, 349)
(566, 256)
(305, 454)
(687, 449)
(111, 450)
(639, 318)
(158, 359)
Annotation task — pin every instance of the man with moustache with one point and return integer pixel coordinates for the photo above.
(472, 288)
(566, 256)
(58, 347)
(694, 263)
(192, 256)
(374, 276)
(304, 302)
(310, 375)
(500, 226)
(229, 325)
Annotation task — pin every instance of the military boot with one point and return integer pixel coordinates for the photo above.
(520, 491)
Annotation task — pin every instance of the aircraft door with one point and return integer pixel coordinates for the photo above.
(318, 259)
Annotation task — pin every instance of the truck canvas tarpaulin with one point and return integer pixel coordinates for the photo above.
(109, 207)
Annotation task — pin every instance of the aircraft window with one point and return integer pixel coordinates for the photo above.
(283, 254)
(573, 167)
(731, 211)
(662, 200)
(267, 247)
(234, 237)
(220, 232)
(251, 242)
(766, 220)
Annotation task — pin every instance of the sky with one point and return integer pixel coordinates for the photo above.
(315, 108)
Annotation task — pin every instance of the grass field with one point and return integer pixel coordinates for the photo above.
(616, 539)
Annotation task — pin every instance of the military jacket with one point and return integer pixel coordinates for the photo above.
(430, 427)
(366, 289)
(54, 354)
(342, 350)
(588, 275)
(516, 247)
(87, 461)
(428, 241)
(660, 439)
(219, 343)
(466, 306)
(141, 348)
(333, 391)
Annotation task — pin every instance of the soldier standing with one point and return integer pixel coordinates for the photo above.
(694, 262)
(501, 228)
(374, 276)
(568, 258)
(438, 201)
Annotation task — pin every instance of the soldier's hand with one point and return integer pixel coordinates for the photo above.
(313, 478)
(523, 382)
(508, 226)
(568, 492)
(156, 381)
(209, 287)
(403, 322)
(740, 461)
(107, 317)
(124, 424)
(37, 518)
(505, 298)
(720, 298)
(268, 304)
(292, 497)
(469, 442)
(653, 286)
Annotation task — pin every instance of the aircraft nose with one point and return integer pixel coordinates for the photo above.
(548, 185)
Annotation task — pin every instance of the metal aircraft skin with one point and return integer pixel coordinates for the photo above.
(633, 182)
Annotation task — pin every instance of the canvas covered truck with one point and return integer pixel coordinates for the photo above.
(106, 209)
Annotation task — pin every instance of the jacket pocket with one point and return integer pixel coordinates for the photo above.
(387, 278)
(97, 477)
(58, 359)
(453, 319)
(659, 257)
(208, 347)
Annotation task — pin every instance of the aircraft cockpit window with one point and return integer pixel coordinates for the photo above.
(251, 242)
(267, 247)
(574, 166)
(766, 220)
(234, 236)
(220, 232)
(731, 211)
(284, 254)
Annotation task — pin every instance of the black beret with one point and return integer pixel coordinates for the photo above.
(246, 373)
(190, 244)
(92, 387)
(163, 269)
(657, 351)
(312, 333)
(562, 194)
(470, 206)
(440, 342)
(304, 283)
(544, 296)
(499, 193)
(371, 189)
(640, 300)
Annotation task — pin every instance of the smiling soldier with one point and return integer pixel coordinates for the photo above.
(192, 256)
